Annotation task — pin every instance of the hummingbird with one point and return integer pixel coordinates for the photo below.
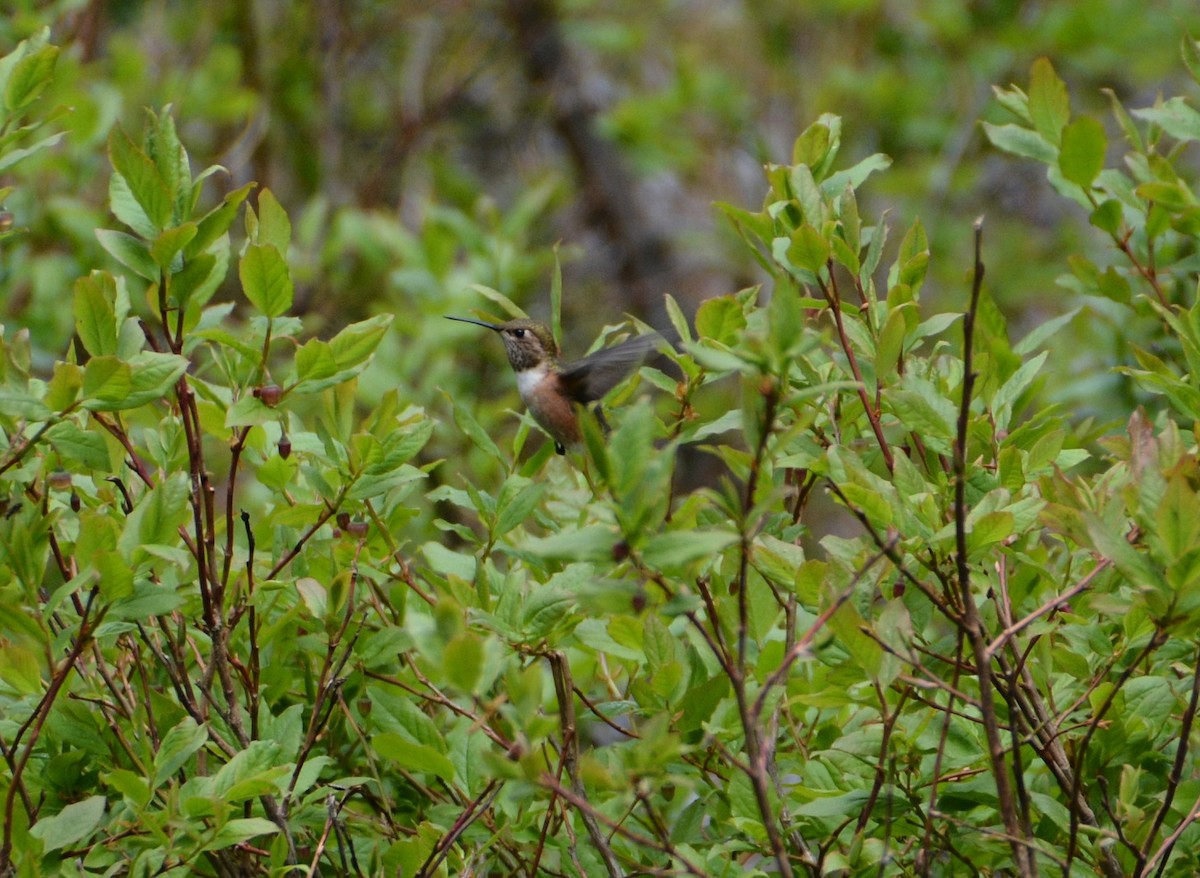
(551, 390)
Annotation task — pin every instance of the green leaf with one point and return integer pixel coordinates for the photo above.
(142, 177)
(1081, 158)
(1012, 389)
(30, 77)
(990, 528)
(856, 175)
(721, 319)
(399, 446)
(199, 278)
(125, 207)
(65, 386)
(678, 320)
(1190, 50)
(449, 562)
(517, 499)
(510, 307)
(178, 745)
(115, 575)
(274, 227)
(818, 146)
(595, 542)
(239, 830)
(1049, 103)
(12, 156)
(891, 342)
(82, 446)
(1108, 216)
(677, 549)
(415, 757)
(96, 319)
(474, 431)
(924, 411)
(808, 249)
(355, 344)
(1018, 140)
(154, 374)
(21, 404)
(20, 670)
(556, 300)
(544, 610)
(836, 807)
(700, 701)
(252, 772)
(157, 516)
(462, 660)
(71, 825)
(1134, 565)
(106, 383)
(1174, 117)
(130, 252)
(214, 224)
(785, 320)
(167, 246)
(315, 361)
(265, 280)
(130, 785)
(1178, 518)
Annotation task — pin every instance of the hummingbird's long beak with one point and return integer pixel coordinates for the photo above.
(476, 322)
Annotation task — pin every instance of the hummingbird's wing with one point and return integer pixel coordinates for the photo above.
(587, 380)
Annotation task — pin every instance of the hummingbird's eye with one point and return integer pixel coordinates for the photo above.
(519, 333)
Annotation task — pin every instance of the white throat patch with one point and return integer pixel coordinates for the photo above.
(528, 380)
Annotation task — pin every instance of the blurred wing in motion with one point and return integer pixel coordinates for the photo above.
(587, 380)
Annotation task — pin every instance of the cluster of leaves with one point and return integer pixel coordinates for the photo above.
(231, 644)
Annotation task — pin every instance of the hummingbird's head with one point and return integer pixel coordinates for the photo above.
(529, 344)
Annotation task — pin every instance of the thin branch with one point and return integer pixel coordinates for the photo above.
(972, 622)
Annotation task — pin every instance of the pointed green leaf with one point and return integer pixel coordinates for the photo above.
(1081, 157)
(240, 830)
(677, 549)
(556, 299)
(79, 445)
(808, 249)
(216, 223)
(156, 516)
(720, 319)
(178, 746)
(30, 77)
(106, 383)
(141, 176)
(130, 252)
(355, 344)
(265, 280)
(71, 825)
(154, 375)
(1049, 103)
(167, 246)
(471, 427)
(1021, 141)
(274, 227)
(95, 315)
(1175, 117)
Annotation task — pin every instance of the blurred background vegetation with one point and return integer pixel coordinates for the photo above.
(427, 145)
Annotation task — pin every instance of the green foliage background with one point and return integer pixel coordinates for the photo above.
(287, 584)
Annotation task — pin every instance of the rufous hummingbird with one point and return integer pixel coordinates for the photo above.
(551, 390)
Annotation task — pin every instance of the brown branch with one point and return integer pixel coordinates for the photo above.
(835, 306)
(1176, 776)
(564, 690)
(37, 719)
(972, 622)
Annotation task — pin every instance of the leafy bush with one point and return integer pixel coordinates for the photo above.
(242, 633)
